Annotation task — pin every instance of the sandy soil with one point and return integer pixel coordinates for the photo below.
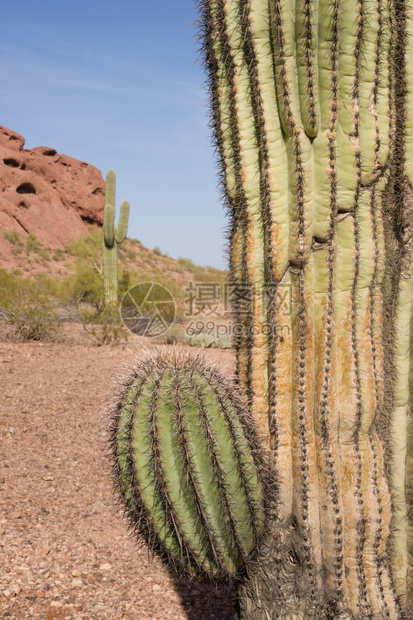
(65, 551)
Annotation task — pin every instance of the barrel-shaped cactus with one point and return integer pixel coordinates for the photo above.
(111, 238)
(186, 465)
(312, 104)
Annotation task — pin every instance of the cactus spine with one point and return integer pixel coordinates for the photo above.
(312, 104)
(111, 238)
(185, 465)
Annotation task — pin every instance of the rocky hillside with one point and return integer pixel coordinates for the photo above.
(48, 205)
(46, 194)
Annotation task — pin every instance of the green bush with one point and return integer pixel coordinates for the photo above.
(88, 247)
(44, 253)
(12, 236)
(187, 264)
(27, 312)
(58, 254)
(207, 341)
(104, 326)
(135, 242)
(130, 253)
(33, 245)
(87, 285)
(124, 283)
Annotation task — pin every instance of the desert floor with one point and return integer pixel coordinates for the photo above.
(65, 550)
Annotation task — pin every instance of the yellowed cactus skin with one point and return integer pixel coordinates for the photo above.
(312, 104)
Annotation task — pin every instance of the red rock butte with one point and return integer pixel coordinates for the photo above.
(49, 195)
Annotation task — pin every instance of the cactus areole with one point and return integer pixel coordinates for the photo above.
(111, 238)
(312, 106)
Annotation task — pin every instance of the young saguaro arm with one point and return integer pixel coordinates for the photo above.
(305, 103)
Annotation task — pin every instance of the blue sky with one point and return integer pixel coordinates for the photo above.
(119, 86)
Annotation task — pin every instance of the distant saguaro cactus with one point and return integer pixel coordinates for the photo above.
(111, 238)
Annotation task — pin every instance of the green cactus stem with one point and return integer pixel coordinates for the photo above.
(111, 238)
(185, 464)
(312, 105)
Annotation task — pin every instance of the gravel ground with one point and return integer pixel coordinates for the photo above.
(65, 551)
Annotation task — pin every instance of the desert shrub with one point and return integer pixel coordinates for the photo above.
(157, 250)
(44, 253)
(124, 283)
(12, 236)
(207, 341)
(104, 327)
(87, 285)
(26, 311)
(130, 253)
(33, 245)
(187, 264)
(52, 287)
(135, 242)
(87, 247)
(58, 254)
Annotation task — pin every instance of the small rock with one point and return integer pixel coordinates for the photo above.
(15, 515)
(76, 583)
(156, 587)
(48, 477)
(75, 573)
(8, 593)
(105, 566)
(56, 604)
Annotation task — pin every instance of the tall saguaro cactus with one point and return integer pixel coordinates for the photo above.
(312, 104)
(111, 238)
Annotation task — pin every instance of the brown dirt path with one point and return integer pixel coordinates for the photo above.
(64, 549)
